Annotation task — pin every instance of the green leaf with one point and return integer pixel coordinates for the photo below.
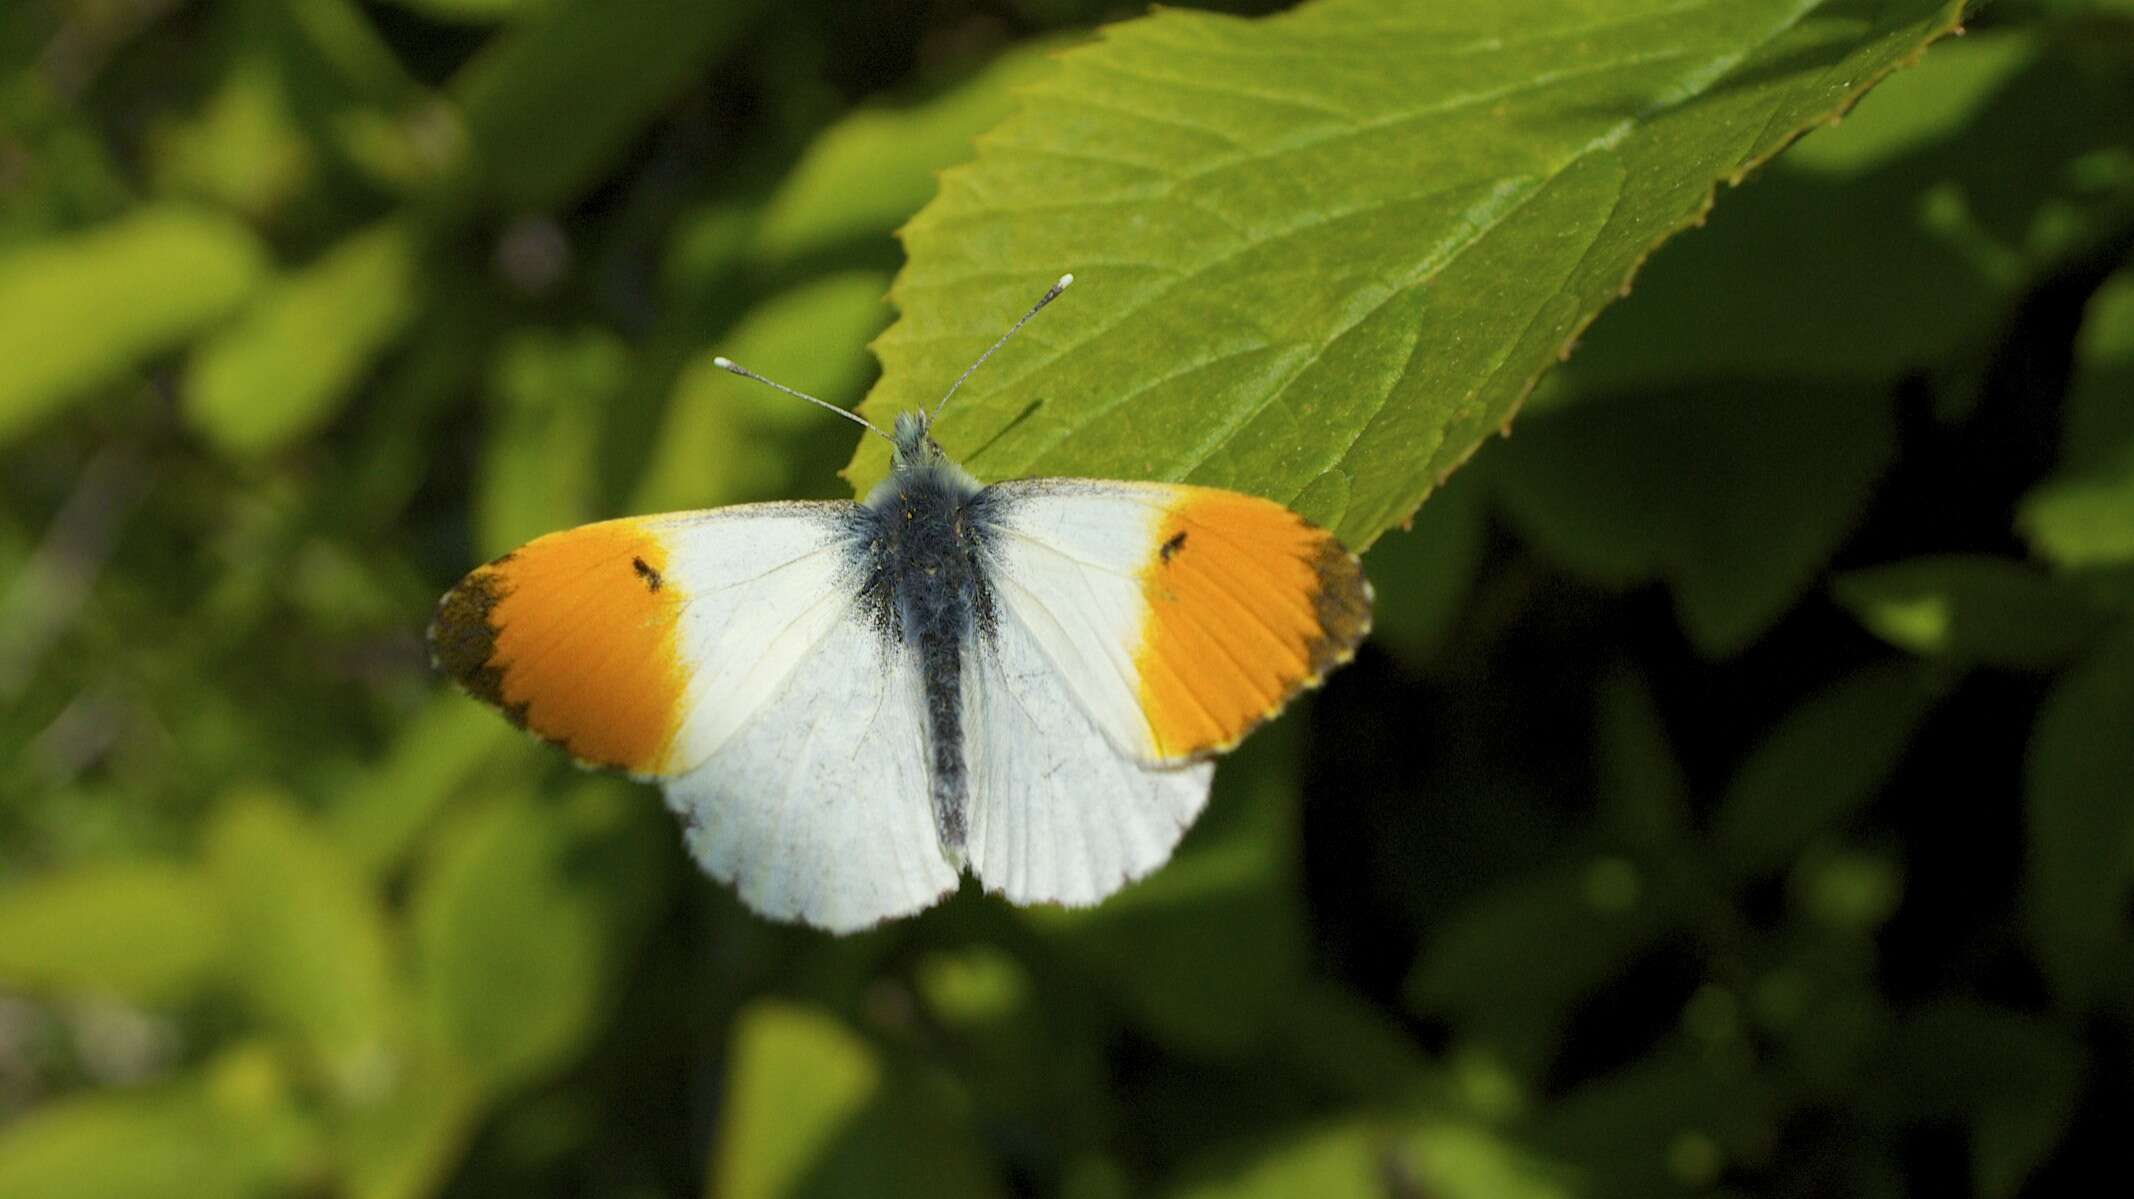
(795, 1080)
(1663, 485)
(1423, 574)
(307, 939)
(1471, 1162)
(1367, 1159)
(472, 12)
(2097, 432)
(524, 921)
(203, 1138)
(723, 436)
(2081, 827)
(866, 174)
(1644, 798)
(2083, 520)
(295, 358)
(1480, 969)
(539, 460)
(350, 90)
(1849, 890)
(812, 1110)
(1337, 1039)
(61, 331)
(438, 749)
(404, 1142)
(2014, 1078)
(150, 932)
(1885, 242)
(1824, 761)
(539, 139)
(1971, 608)
(1665, 1124)
(2084, 514)
(1323, 254)
(243, 149)
(1209, 951)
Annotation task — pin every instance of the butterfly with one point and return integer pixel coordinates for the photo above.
(850, 704)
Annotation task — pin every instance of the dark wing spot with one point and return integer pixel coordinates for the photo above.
(645, 572)
(1175, 544)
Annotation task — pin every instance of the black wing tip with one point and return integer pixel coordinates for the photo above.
(462, 638)
(1342, 606)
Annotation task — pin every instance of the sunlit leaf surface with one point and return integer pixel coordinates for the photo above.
(1328, 285)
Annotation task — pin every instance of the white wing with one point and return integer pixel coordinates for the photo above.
(815, 806)
(1058, 813)
(1066, 572)
(765, 594)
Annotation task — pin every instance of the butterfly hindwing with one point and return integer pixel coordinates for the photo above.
(1058, 813)
(816, 808)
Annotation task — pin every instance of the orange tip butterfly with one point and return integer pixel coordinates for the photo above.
(849, 704)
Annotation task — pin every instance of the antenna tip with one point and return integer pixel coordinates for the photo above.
(724, 363)
(1064, 281)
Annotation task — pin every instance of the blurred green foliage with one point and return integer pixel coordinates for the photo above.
(1738, 796)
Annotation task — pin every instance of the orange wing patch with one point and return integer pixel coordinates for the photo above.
(573, 636)
(1248, 603)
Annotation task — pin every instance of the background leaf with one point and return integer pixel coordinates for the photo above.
(876, 167)
(2080, 516)
(131, 1146)
(141, 930)
(2081, 857)
(816, 1112)
(809, 338)
(1661, 486)
(516, 997)
(1362, 1159)
(1896, 180)
(290, 362)
(540, 472)
(536, 140)
(2011, 1077)
(59, 330)
(308, 944)
(1970, 609)
(1824, 760)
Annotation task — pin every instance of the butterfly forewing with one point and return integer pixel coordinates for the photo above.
(1181, 617)
(642, 644)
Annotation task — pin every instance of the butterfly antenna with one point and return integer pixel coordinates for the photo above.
(1051, 294)
(728, 364)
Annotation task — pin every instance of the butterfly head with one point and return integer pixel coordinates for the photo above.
(913, 441)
